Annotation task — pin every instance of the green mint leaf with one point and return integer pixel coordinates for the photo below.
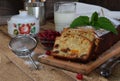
(94, 18)
(95, 21)
(80, 21)
(96, 26)
(106, 24)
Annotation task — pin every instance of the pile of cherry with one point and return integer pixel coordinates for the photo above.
(47, 37)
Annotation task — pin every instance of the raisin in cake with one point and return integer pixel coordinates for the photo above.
(85, 32)
(83, 44)
(75, 44)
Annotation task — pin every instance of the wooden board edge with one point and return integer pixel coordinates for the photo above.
(85, 69)
(64, 64)
(98, 62)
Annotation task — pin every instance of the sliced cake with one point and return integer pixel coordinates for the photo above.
(83, 44)
(74, 44)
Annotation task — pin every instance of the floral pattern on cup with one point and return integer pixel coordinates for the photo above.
(28, 28)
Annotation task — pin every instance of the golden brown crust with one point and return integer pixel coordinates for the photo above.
(98, 45)
(86, 32)
(74, 44)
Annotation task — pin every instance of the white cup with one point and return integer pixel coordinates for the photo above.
(64, 14)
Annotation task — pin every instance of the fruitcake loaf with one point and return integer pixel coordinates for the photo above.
(83, 44)
(88, 33)
(75, 44)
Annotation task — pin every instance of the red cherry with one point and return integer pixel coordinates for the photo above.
(47, 37)
(48, 52)
(79, 76)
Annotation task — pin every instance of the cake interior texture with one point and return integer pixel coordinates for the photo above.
(83, 44)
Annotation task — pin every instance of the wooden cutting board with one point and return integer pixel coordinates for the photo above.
(83, 68)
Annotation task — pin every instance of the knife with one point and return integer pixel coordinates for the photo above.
(107, 67)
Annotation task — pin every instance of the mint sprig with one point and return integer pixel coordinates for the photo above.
(80, 21)
(95, 21)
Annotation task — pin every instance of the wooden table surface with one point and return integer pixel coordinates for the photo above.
(13, 68)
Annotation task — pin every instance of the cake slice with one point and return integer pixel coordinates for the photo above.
(83, 31)
(82, 44)
(74, 44)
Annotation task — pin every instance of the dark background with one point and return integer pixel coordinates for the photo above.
(11, 7)
(110, 4)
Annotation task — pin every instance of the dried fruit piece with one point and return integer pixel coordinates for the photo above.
(49, 35)
(47, 38)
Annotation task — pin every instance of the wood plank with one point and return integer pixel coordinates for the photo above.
(48, 73)
(10, 72)
(83, 68)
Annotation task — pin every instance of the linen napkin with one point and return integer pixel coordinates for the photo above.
(83, 9)
(88, 9)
